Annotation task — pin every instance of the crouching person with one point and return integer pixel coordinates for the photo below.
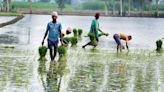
(121, 36)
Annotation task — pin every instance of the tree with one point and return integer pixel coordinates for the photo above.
(6, 5)
(106, 6)
(45, 0)
(114, 7)
(142, 6)
(121, 7)
(61, 4)
(157, 8)
(129, 7)
(30, 1)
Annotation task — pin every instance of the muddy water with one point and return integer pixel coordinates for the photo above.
(89, 70)
(6, 19)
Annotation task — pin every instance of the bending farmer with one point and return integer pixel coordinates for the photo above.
(121, 36)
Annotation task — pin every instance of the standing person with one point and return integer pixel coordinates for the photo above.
(121, 36)
(54, 32)
(95, 29)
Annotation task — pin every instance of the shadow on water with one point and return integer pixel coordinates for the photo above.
(52, 79)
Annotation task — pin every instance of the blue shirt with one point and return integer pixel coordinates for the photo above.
(54, 31)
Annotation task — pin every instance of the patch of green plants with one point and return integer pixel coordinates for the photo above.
(75, 33)
(80, 31)
(42, 51)
(92, 38)
(67, 40)
(74, 41)
(10, 13)
(62, 50)
(159, 45)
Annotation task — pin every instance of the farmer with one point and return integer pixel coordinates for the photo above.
(66, 34)
(121, 36)
(54, 32)
(95, 29)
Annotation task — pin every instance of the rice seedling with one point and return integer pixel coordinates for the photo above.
(74, 41)
(159, 45)
(42, 51)
(92, 39)
(80, 31)
(75, 32)
(62, 50)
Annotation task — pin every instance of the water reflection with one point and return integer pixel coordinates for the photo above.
(56, 71)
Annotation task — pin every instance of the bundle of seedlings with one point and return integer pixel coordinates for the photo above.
(80, 31)
(67, 40)
(74, 41)
(92, 39)
(75, 32)
(62, 51)
(159, 45)
(42, 52)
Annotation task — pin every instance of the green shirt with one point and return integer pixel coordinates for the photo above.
(95, 26)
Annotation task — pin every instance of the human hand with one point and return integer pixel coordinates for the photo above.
(42, 43)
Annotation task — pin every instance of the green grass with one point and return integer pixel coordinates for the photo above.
(34, 5)
(10, 13)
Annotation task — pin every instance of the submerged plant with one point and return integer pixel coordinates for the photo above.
(74, 41)
(75, 32)
(92, 38)
(80, 31)
(42, 51)
(159, 45)
(62, 50)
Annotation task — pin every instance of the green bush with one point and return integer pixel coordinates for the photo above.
(159, 45)
(74, 41)
(62, 50)
(93, 6)
(92, 38)
(80, 31)
(42, 51)
(34, 5)
(75, 32)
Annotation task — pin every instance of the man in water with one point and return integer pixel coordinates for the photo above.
(121, 36)
(54, 32)
(95, 29)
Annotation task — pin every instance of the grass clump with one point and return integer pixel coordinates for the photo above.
(62, 50)
(67, 40)
(74, 41)
(159, 45)
(42, 51)
(80, 31)
(75, 32)
(92, 38)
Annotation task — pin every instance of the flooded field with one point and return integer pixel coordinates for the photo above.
(82, 70)
(5, 19)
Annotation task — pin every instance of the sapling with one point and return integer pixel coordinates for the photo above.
(62, 50)
(74, 41)
(80, 31)
(159, 45)
(42, 51)
(75, 32)
(92, 38)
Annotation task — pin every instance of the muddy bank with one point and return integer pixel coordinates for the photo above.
(89, 13)
(11, 21)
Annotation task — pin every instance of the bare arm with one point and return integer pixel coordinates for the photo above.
(101, 31)
(61, 37)
(44, 37)
(127, 45)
